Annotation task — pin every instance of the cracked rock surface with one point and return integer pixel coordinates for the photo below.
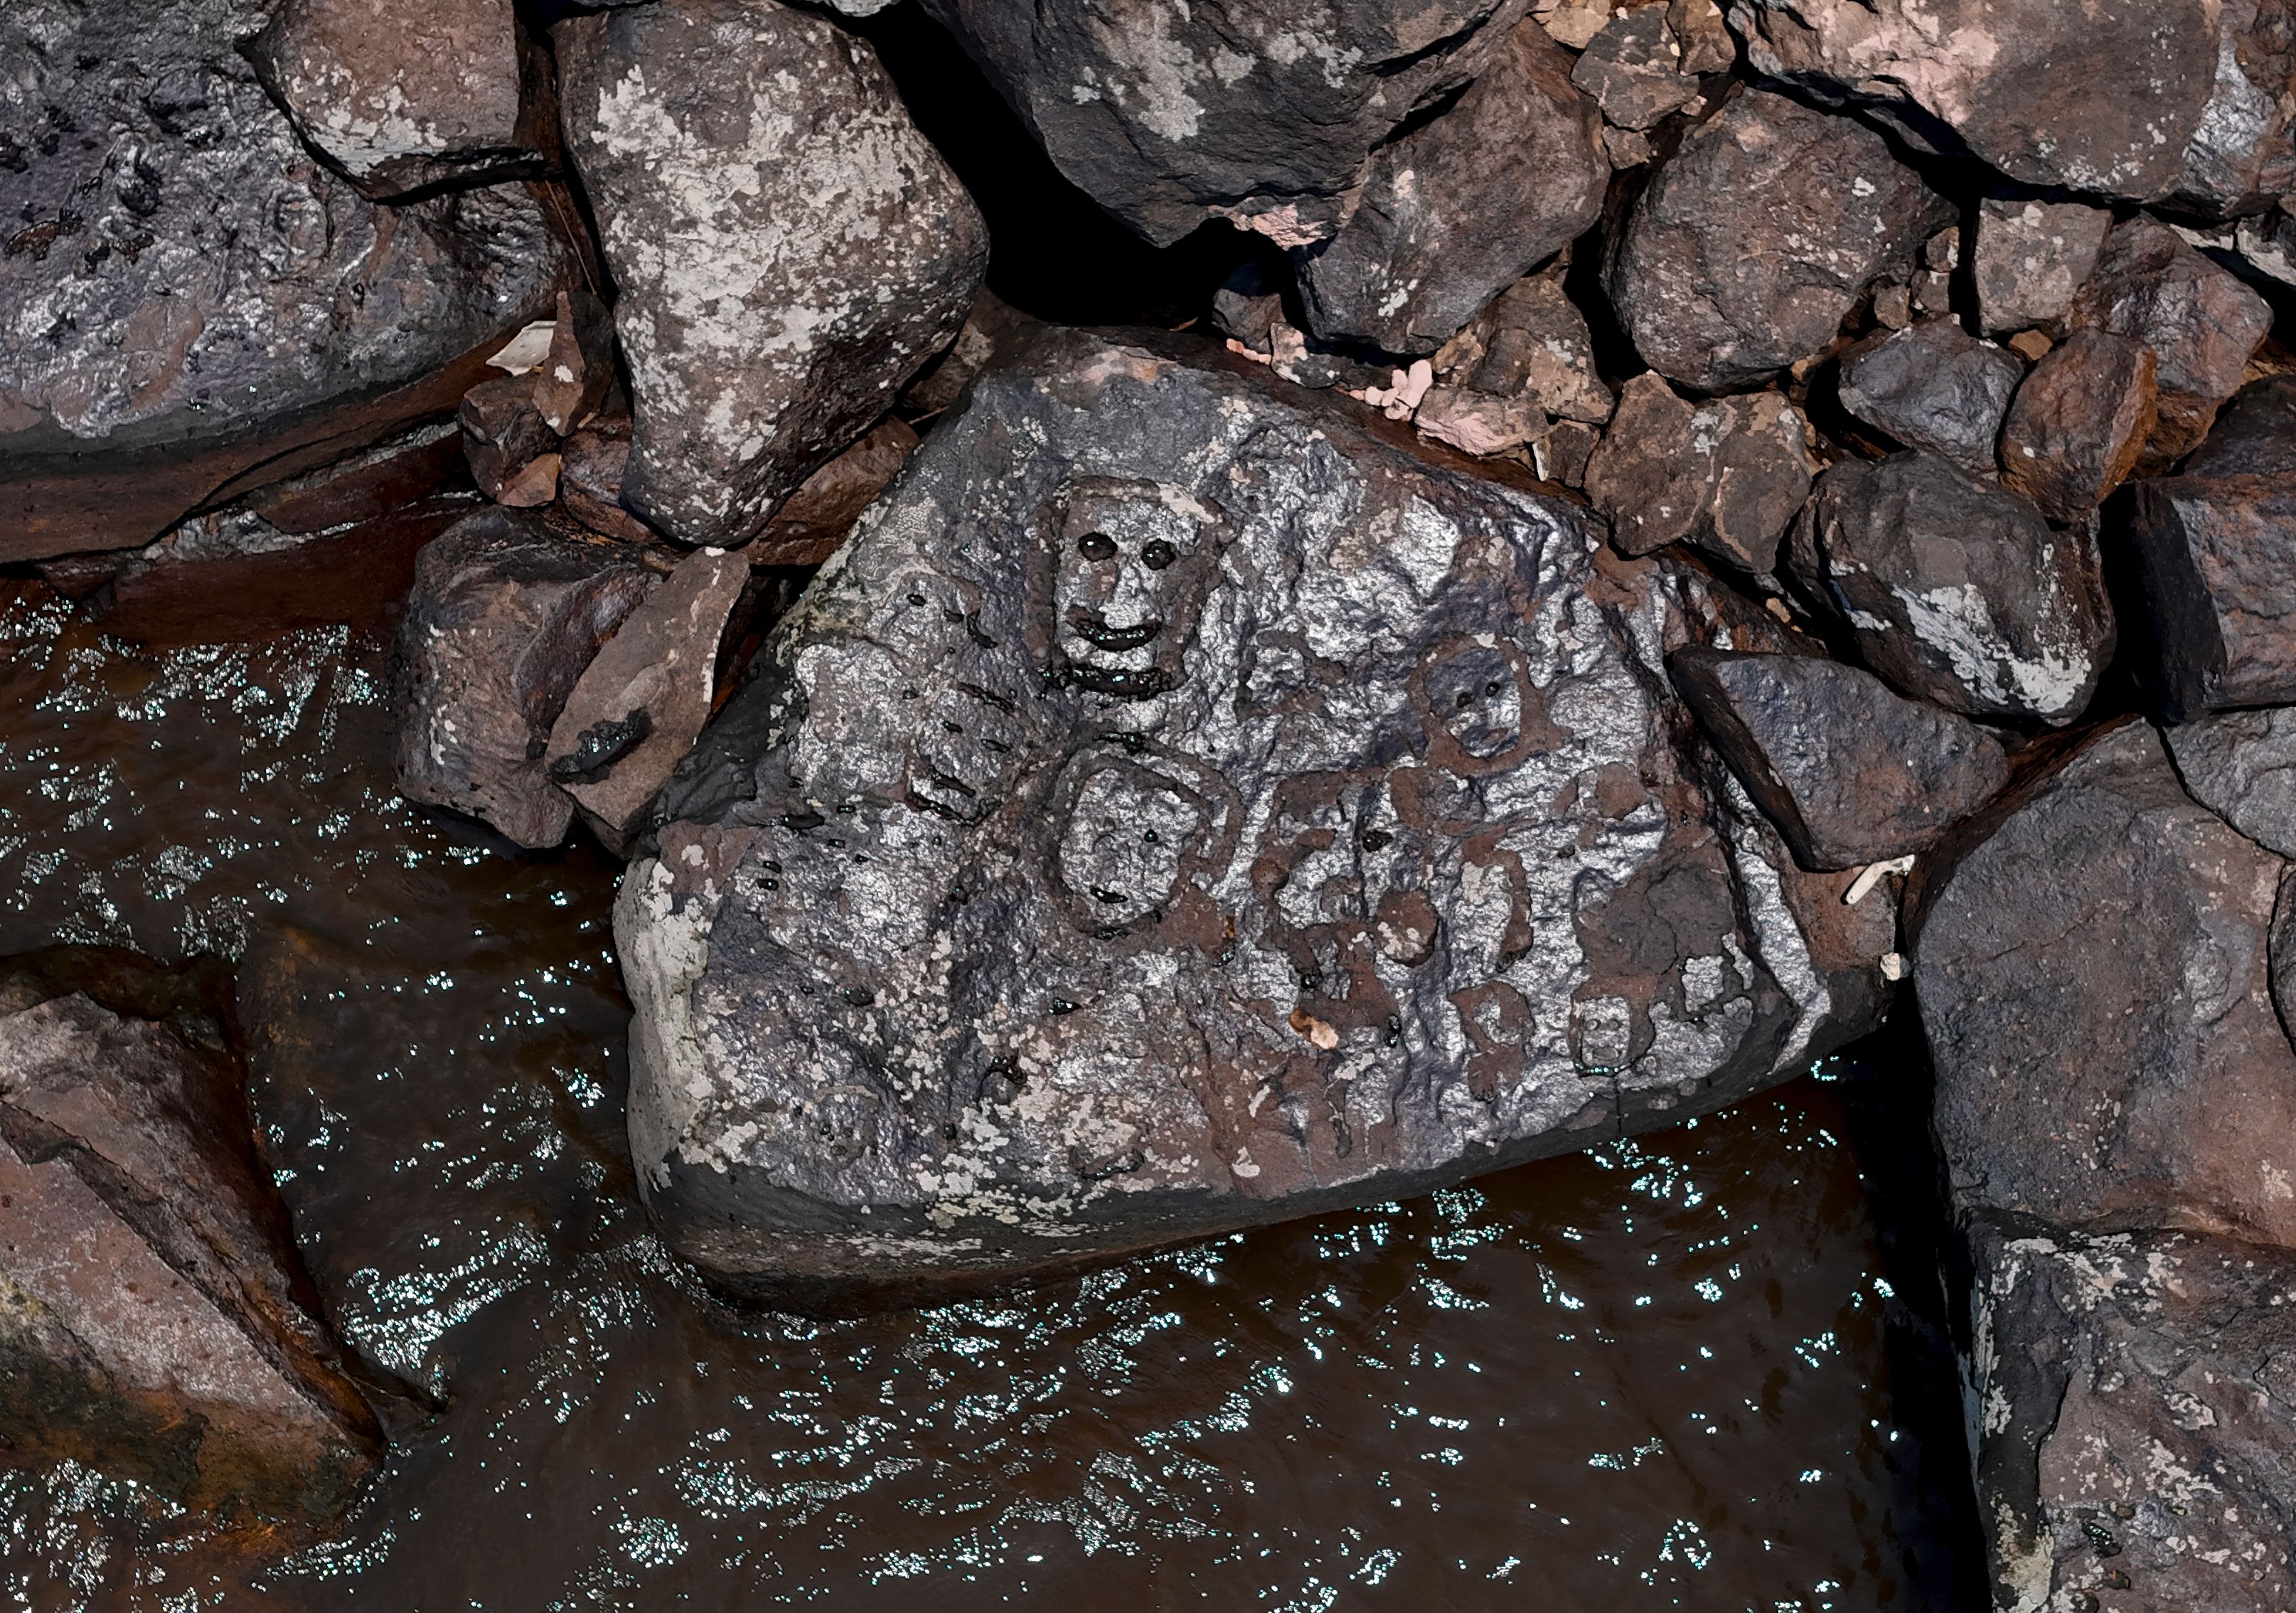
(1179, 807)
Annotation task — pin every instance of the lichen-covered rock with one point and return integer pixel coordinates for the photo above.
(1182, 807)
(504, 615)
(2032, 256)
(1758, 236)
(191, 304)
(155, 1321)
(1933, 386)
(2093, 976)
(1726, 476)
(2134, 1409)
(2241, 765)
(788, 248)
(2104, 96)
(2080, 423)
(1956, 592)
(2215, 567)
(402, 98)
(1170, 115)
(1458, 209)
(1849, 772)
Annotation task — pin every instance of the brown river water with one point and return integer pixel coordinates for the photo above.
(1685, 1371)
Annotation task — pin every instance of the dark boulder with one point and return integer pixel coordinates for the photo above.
(1254, 111)
(2241, 159)
(789, 250)
(1757, 238)
(1245, 815)
(504, 615)
(2242, 766)
(1933, 386)
(155, 1321)
(1634, 69)
(2080, 423)
(1457, 209)
(2254, 435)
(1726, 476)
(2032, 256)
(201, 307)
(2093, 974)
(1956, 592)
(2215, 563)
(1849, 772)
(2134, 1401)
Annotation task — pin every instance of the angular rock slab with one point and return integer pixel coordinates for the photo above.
(1757, 238)
(155, 1319)
(2080, 423)
(2254, 435)
(1171, 116)
(2214, 561)
(1849, 771)
(190, 303)
(1728, 476)
(2135, 1406)
(2032, 256)
(2241, 765)
(1181, 806)
(790, 250)
(1457, 210)
(2093, 976)
(1933, 386)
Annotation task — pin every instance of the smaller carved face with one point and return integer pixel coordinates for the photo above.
(1128, 571)
(1473, 693)
(1121, 849)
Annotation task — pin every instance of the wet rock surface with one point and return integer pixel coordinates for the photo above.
(1112, 877)
(1956, 592)
(1849, 772)
(2242, 766)
(193, 304)
(1728, 476)
(2212, 556)
(2080, 423)
(155, 1319)
(1758, 236)
(1933, 386)
(505, 614)
(766, 323)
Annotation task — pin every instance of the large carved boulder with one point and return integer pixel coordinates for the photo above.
(191, 304)
(790, 250)
(1183, 805)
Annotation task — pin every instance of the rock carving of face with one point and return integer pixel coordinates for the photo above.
(1473, 693)
(1129, 567)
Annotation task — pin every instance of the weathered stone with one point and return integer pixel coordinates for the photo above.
(156, 1323)
(1564, 453)
(404, 98)
(1708, 45)
(2200, 321)
(1955, 592)
(2216, 566)
(2032, 256)
(2093, 977)
(765, 321)
(2135, 1421)
(1256, 111)
(2080, 423)
(1478, 422)
(578, 371)
(1626, 148)
(590, 466)
(1633, 69)
(2241, 157)
(1849, 772)
(1247, 303)
(808, 529)
(1933, 386)
(1532, 343)
(2031, 346)
(2102, 97)
(991, 326)
(1758, 237)
(2254, 434)
(189, 304)
(504, 616)
(2241, 765)
(504, 437)
(637, 707)
(1459, 209)
(1726, 476)
(1245, 815)
(1571, 24)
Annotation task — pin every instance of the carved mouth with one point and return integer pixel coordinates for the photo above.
(1094, 629)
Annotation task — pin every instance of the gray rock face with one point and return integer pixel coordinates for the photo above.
(788, 248)
(190, 303)
(1933, 386)
(2242, 766)
(1728, 476)
(1758, 236)
(2135, 1411)
(505, 614)
(2093, 980)
(2212, 556)
(2103, 97)
(2254, 435)
(1957, 593)
(1454, 212)
(1634, 69)
(1178, 808)
(1849, 772)
(399, 98)
(2241, 157)
(2032, 256)
(1255, 110)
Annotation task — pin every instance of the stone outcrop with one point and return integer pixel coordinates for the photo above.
(155, 1321)
(1249, 816)
(191, 304)
(788, 248)
(1728, 476)
(1757, 238)
(1933, 386)
(1454, 212)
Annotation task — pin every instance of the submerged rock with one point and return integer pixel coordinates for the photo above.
(1182, 807)
(155, 1321)
(1757, 238)
(790, 250)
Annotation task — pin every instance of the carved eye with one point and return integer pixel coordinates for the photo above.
(1096, 545)
(1159, 555)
